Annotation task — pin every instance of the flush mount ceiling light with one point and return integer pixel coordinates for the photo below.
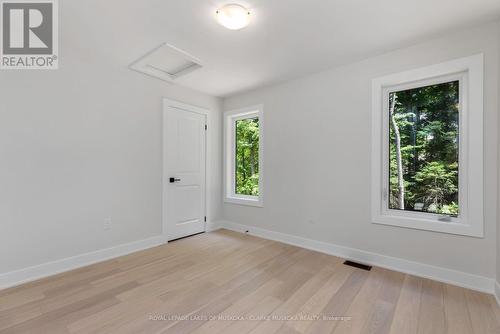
(233, 16)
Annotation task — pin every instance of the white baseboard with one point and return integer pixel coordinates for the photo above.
(21, 276)
(212, 226)
(497, 292)
(450, 276)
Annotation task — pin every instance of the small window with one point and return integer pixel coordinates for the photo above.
(247, 157)
(427, 156)
(243, 155)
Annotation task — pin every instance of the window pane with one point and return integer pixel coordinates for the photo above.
(247, 157)
(423, 149)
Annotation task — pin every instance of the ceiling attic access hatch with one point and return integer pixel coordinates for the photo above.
(166, 62)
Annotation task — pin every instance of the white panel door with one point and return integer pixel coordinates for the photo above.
(184, 163)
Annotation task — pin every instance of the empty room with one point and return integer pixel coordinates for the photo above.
(253, 166)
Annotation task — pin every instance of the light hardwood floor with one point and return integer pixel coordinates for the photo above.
(215, 277)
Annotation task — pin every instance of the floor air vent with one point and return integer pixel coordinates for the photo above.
(358, 265)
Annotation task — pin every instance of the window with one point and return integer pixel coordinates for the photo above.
(427, 157)
(424, 149)
(247, 157)
(243, 156)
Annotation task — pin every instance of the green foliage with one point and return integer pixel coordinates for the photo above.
(436, 183)
(427, 120)
(449, 209)
(247, 157)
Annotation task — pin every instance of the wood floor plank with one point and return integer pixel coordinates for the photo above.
(456, 316)
(225, 300)
(362, 305)
(482, 316)
(45, 319)
(494, 306)
(241, 308)
(10, 301)
(339, 303)
(291, 306)
(320, 299)
(407, 310)
(196, 284)
(431, 313)
(259, 311)
(382, 314)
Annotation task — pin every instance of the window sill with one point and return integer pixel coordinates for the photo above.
(244, 201)
(458, 228)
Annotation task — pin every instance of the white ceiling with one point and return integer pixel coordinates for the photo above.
(285, 39)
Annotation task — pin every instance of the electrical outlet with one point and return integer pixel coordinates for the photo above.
(107, 224)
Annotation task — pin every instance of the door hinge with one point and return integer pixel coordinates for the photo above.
(206, 127)
(205, 219)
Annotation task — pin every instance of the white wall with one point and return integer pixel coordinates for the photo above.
(81, 144)
(317, 158)
(498, 206)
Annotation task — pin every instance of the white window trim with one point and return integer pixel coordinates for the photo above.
(230, 118)
(469, 71)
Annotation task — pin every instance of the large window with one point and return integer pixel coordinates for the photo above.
(424, 149)
(243, 155)
(427, 157)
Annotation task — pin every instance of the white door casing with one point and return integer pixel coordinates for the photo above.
(184, 170)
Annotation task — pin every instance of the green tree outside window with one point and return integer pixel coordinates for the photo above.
(247, 157)
(424, 149)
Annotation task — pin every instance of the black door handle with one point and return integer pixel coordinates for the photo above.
(173, 179)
